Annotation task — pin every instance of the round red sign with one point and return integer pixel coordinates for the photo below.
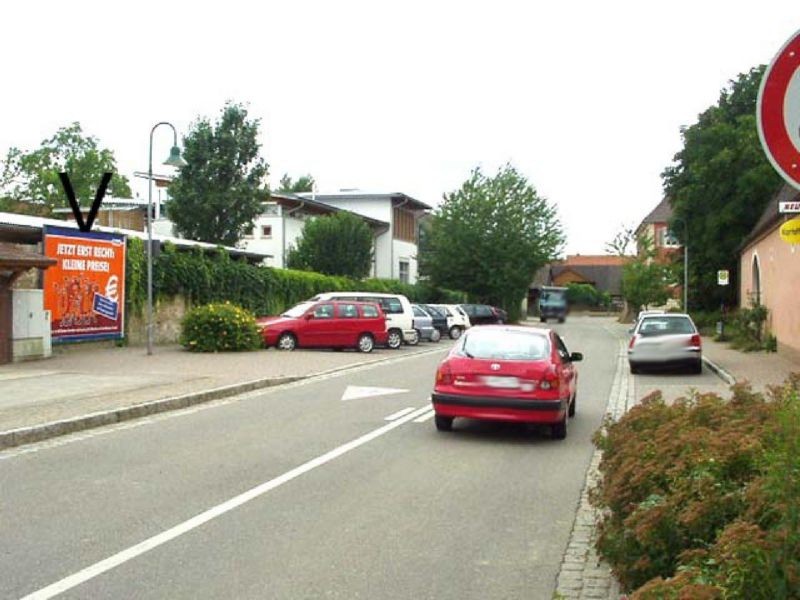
(778, 111)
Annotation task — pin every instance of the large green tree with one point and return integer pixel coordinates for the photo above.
(718, 187)
(218, 194)
(304, 183)
(489, 237)
(339, 244)
(32, 177)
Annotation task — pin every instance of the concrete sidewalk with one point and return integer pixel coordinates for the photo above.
(81, 388)
(760, 369)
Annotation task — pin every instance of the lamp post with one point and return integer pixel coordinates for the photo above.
(685, 264)
(174, 160)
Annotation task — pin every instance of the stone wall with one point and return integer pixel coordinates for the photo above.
(167, 317)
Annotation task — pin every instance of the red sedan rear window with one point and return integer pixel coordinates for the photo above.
(505, 345)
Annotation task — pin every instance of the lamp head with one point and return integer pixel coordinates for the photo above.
(175, 159)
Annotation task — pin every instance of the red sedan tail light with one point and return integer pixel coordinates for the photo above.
(550, 380)
(444, 375)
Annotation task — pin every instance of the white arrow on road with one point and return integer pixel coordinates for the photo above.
(354, 392)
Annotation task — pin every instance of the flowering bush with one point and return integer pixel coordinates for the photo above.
(701, 499)
(219, 328)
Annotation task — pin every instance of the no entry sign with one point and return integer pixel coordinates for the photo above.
(778, 111)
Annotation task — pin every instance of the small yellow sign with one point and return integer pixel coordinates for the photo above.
(790, 231)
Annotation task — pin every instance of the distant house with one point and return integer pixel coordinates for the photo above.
(396, 248)
(655, 226)
(604, 272)
(769, 270)
(280, 224)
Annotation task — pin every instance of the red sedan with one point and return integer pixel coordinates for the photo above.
(507, 373)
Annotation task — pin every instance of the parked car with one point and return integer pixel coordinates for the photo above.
(507, 373)
(668, 339)
(326, 324)
(438, 318)
(423, 323)
(396, 307)
(457, 319)
(483, 314)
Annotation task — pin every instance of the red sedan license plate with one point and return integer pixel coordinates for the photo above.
(501, 382)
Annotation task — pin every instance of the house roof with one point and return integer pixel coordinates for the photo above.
(605, 277)
(771, 217)
(295, 200)
(28, 230)
(360, 195)
(662, 213)
(14, 259)
(595, 260)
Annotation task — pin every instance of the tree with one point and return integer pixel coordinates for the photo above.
(340, 244)
(304, 183)
(645, 281)
(32, 177)
(218, 194)
(489, 238)
(718, 188)
(621, 244)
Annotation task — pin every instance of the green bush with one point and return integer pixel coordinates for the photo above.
(584, 294)
(219, 328)
(700, 498)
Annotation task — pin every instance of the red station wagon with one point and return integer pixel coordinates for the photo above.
(507, 373)
(327, 324)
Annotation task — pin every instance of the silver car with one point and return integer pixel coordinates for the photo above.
(423, 323)
(664, 340)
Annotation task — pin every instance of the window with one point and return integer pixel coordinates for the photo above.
(250, 233)
(266, 232)
(348, 311)
(404, 271)
(418, 312)
(391, 306)
(370, 312)
(562, 349)
(323, 311)
(404, 225)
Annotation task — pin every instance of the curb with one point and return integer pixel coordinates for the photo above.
(719, 371)
(38, 433)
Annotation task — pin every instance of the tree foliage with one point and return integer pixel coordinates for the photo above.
(622, 242)
(32, 177)
(646, 281)
(490, 236)
(718, 188)
(340, 244)
(304, 183)
(218, 195)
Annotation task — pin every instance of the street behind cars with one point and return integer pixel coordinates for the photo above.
(508, 373)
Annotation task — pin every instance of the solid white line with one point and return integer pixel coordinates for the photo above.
(425, 417)
(398, 414)
(162, 538)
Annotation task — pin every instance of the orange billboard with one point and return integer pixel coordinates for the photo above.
(85, 291)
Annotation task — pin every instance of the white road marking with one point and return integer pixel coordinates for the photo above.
(354, 392)
(399, 414)
(425, 417)
(124, 556)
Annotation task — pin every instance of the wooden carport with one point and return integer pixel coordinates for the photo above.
(13, 263)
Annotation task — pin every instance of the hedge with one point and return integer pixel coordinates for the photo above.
(206, 278)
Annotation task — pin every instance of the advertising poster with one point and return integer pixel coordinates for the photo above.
(85, 291)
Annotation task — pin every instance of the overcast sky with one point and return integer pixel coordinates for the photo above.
(586, 99)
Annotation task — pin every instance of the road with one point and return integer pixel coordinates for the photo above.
(295, 492)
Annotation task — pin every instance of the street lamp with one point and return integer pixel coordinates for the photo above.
(685, 264)
(174, 160)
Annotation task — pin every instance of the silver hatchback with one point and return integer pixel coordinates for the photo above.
(664, 340)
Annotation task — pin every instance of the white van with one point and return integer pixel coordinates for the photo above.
(457, 319)
(399, 314)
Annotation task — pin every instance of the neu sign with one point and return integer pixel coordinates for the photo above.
(778, 111)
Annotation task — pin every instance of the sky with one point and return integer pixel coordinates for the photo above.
(586, 99)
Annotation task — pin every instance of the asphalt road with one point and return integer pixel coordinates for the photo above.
(294, 492)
